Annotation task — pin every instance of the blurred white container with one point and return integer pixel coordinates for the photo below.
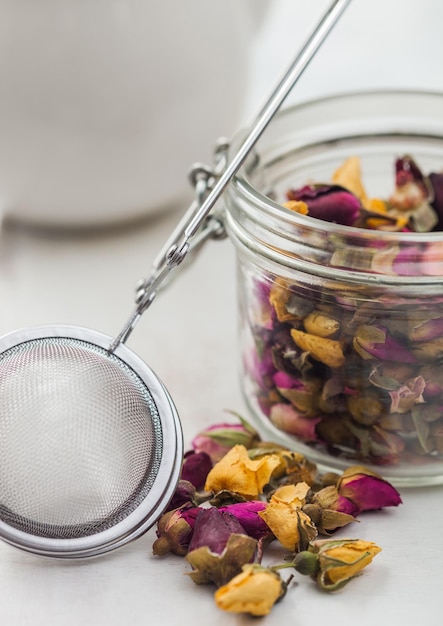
(105, 104)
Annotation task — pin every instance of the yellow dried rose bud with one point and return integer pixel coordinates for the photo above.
(254, 591)
(328, 351)
(237, 472)
(348, 175)
(317, 323)
(333, 563)
(340, 561)
(284, 516)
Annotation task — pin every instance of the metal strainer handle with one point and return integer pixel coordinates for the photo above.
(178, 245)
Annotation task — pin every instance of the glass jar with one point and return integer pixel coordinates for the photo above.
(342, 327)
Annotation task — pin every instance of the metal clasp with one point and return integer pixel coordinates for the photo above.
(183, 243)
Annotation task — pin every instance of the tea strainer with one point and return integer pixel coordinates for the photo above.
(90, 441)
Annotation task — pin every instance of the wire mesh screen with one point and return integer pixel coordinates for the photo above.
(80, 438)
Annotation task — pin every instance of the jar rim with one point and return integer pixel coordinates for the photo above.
(243, 185)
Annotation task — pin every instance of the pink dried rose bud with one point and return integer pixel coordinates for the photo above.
(286, 418)
(427, 329)
(213, 529)
(331, 203)
(247, 514)
(174, 531)
(196, 466)
(185, 494)
(219, 547)
(375, 342)
(303, 395)
(330, 498)
(366, 489)
(220, 438)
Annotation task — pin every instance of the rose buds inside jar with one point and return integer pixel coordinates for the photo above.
(337, 224)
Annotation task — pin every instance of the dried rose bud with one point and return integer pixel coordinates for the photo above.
(254, 591)
(185, 493)
(366, 489)
(366, 407)
(320, 324)
(384, 446)
(431, 350)
(286, 418)
(238, 473)
(219, 547)
(323, 349)
(284, 515)
(302, 394)
(327, 521)
(196, 466)
(174, 531)
(247, 514)
(330, 498)
(427, 329)
(333, 563)
(220, 438)
(213, 529)
(411, 189)
(331, 203)
(375, 342)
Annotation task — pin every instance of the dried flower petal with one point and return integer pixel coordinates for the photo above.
(327, 521)
(349, 176)
(409, 394)
(366, 489)
(247, 513)
(410, 185)
(376, 342)
(297, 206)
(284, 516)
(195, 468)
(219, 547)
(427, 329)
(238, 473)
(254, 591)
(331, 203)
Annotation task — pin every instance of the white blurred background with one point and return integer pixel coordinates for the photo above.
(105, 104)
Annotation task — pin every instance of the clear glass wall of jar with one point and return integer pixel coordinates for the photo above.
(315, 297)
